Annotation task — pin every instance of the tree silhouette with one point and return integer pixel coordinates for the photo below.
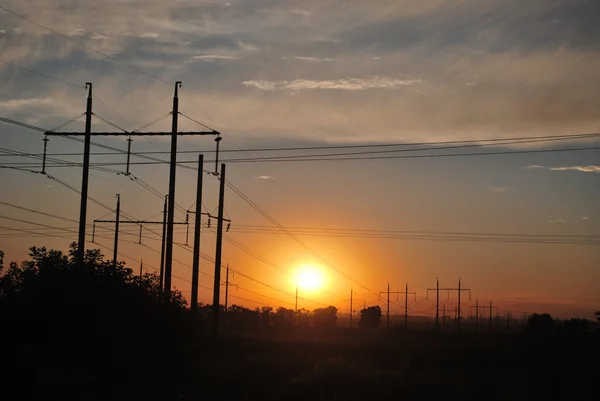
(597, 315)
(370, 317)
(325, 317)
(91, 325)
(265, 314)
(284, 317)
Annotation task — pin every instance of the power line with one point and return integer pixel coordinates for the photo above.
(42, 74)
(434, 145)
(347, 158)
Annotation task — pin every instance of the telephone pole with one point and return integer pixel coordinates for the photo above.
(351, 305)
(437, 289)
(444, 319)
(351, 312)
(397, 293)
(226, 287)
(171, 198)
(197, 224)
(491, 307)
(116, 245)
(141, 267)
(162, 246)
(217, 282)
(476, 314)
(85, 175)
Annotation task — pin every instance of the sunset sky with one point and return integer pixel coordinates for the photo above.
(281, 74)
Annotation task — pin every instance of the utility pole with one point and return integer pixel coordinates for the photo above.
(458, 321)
(388, 306)
(406, 307)
(217, 282)
(397, 293)
(85, 175)
(171, 200)
(476, 314)
(116, 245)
(168, 259)
(437, 302)
(227, 287)
(296, 306)
(351, 305)
(437, 289)
(198, 223)
(351, 313)
(141, 267)
(162, 246)
(477, 306)
(444, 319)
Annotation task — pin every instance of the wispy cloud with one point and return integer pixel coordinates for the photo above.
(18, 103)
(97, 36)
(585, 218)
(311, 59)
(210, 57)
(585, 169)
(349, 84)
(264, 177)
(558, 221)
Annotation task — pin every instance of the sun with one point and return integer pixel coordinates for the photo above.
(309, 278)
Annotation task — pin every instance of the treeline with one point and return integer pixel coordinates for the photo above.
(238, 316)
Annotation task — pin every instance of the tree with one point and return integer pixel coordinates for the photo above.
(540, 323)
(576, 326)
(59, 320)
(325, 317)
(265, 314)
(598, 315)
(284, 317)
(370, 317)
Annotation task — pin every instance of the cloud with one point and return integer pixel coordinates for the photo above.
(211, 57)
(265, 177)
(301, 12)
(557, 221)
(498, 189)
(77, 32)
(97, 36)
(503, 46)
(19, 103)
(585, 169)
(585, 218)
(348, 84)
(311, 59)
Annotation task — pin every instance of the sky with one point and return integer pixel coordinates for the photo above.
(280, 74)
